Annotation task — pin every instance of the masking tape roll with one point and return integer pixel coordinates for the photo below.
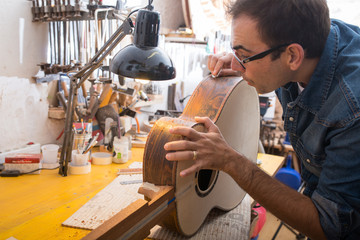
(75, 170)
(101, 158)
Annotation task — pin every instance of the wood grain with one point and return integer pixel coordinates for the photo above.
(206, 101)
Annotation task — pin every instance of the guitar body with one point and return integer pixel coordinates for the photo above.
(234, 107)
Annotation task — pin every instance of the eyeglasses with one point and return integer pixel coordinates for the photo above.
(256, 56)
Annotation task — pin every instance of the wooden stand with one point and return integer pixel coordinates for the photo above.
(135, 221)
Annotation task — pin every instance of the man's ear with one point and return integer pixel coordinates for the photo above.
(295, 56)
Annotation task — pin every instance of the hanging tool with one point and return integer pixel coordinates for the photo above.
(47, 10)
(58, 26)
(57, 10)
(68, 10)
(63, 10)
(42, 10)
(51, 42)
(64, 23)
(35, 10)
(77, 9)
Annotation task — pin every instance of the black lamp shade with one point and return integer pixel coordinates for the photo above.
(143, 59)
(143, 63)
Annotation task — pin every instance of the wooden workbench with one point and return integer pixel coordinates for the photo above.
(34, 206)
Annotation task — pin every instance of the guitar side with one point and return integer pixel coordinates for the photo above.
(233, 106)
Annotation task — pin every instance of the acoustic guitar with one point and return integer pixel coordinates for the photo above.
(233, 106)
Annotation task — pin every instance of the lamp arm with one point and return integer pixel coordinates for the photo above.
(105, 50)
(77, 80)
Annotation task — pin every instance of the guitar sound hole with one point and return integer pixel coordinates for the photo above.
(205, 181)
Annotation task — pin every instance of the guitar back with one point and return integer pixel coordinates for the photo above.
(233, 105)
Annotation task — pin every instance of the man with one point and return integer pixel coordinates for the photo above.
(314, 64)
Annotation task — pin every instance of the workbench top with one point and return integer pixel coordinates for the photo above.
(34, 206)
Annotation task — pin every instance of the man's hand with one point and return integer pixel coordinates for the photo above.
(220, 65)
(208, 150)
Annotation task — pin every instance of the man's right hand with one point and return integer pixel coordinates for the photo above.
(220, 65)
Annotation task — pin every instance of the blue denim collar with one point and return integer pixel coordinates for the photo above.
(316, 92)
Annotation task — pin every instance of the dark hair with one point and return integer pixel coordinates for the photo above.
(305, 22)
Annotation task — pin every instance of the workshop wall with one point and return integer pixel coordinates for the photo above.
(23, 103)
(171, 14)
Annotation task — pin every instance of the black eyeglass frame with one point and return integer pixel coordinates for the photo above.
(257, 56)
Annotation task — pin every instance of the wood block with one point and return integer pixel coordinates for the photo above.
(56, 113)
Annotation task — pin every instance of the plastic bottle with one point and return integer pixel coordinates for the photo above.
(121, 150)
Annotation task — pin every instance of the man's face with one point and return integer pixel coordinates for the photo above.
(263, 74)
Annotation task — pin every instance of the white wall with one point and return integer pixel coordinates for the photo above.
(23, 103)
(23, 45)
(345, 10)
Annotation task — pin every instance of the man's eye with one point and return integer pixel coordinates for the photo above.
(241, 56)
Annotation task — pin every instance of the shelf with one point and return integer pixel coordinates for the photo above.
(56, 113)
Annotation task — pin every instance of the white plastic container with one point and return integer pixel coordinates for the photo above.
(101, 158)
(50, 153)
(79, 159)
(121, 150)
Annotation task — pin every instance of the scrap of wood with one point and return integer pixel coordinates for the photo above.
(136, 220)
(125, 171)
(56, 113)
(150, 191)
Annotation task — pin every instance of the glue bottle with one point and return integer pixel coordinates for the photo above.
(121, 150)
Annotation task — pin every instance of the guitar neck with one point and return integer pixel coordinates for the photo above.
(136, 220)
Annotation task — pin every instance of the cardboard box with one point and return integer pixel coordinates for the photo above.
(24, 162)
(23, 158)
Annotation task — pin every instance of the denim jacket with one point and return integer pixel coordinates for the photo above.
(323, 123)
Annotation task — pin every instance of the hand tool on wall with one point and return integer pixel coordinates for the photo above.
(63, 10)
(58, 42)
(68, 41)
(61, 98)
(92, 7)
(77, 9)
(47, 11)
(35, 10)
(51, 42)
(64, 62)
(57, 10)
(78, 40)
(68, 10)
(42, 10)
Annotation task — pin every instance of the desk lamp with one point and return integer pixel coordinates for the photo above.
(142, 60)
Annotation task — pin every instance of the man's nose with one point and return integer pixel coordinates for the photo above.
(236, 66)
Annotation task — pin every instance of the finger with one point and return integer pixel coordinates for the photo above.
(179, 145)
(209, 125)
(218, 62)
(190, 133)
(211, 62)
(180, 156)
(229, 72)
(194, 168)
(218, 67)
